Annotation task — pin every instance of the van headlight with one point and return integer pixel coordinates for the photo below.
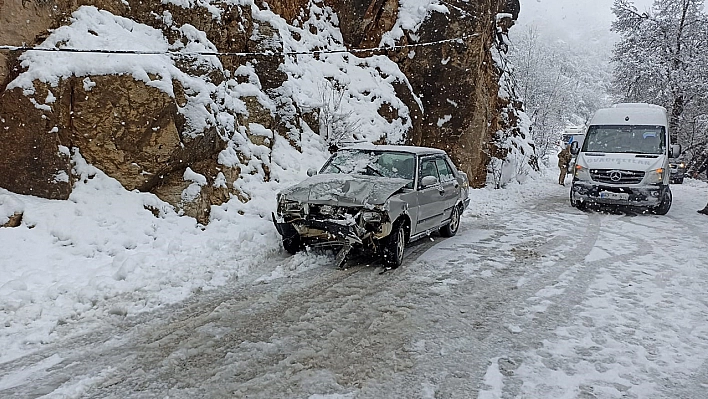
(582, 173)
(655, 176)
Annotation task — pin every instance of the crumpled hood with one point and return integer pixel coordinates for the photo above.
(620, 161)
(344, 190)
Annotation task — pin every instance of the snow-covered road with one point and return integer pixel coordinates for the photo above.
(537, 301)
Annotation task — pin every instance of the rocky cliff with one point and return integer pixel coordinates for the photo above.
(185, 99)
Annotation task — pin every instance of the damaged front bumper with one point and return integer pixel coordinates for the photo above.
(330, 232)
(644, 196)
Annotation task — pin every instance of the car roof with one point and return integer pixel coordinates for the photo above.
(400, 148)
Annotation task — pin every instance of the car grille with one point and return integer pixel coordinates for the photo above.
(614, 176)
(332, 212)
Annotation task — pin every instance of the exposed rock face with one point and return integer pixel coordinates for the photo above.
(31, 162)
(131, 131)
(456, 81)
(139, 135)
(21, 22)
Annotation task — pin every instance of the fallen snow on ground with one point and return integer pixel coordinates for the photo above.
(638, 327)
(102, 253)
(597, 305)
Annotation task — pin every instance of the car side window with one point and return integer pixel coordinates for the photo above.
(444, 170)
(427, 168)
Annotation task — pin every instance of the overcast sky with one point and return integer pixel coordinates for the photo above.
(577, 17)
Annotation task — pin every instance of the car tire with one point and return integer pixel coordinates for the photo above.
(394, 246)
(292, 244)
(679, 181)
(665, 204)
(451, 228)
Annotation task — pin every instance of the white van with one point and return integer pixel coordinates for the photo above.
(624, 159)
(573, 133)
(570, 135)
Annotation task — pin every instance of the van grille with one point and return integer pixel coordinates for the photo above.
(615, 176)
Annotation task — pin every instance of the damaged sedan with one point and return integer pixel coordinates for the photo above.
(374, 197)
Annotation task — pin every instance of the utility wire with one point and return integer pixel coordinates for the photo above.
(237, 54)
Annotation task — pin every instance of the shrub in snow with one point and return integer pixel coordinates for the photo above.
(11, 209)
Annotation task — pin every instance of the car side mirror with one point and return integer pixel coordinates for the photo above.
(574, 149)
(311, 172)
(428, 181)
(464, 176)
(675, 151)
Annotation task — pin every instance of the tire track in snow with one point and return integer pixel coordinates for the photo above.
(260, 326)
(158, 346)
(105, 348)
(489, 322)
(429, 328)
(482, 329)
(570, 301)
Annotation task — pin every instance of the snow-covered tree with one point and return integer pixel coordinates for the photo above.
(561, 83)
(661, 59)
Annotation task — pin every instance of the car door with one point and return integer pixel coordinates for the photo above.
(450, 185)
(431, 198)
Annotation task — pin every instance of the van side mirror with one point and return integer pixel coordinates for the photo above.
(675, 151)
(574, 149)
(311, 172)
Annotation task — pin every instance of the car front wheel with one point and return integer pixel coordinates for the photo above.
(292, 244)
(451, 228)
(395, 246)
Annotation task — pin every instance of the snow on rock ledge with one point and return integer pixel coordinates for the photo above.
(144, 118)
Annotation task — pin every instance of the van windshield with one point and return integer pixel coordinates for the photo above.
(625, 139)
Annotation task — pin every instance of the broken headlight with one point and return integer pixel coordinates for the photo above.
(371, 217)
(286, 206)
(327, 210)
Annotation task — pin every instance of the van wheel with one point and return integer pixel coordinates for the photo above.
(665, 204)
(451, 228)
(394, 246)
(579, 205)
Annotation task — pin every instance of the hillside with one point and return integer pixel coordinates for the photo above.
(202, 102)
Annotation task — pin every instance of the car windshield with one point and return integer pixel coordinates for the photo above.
(375, 163)
(625, 139)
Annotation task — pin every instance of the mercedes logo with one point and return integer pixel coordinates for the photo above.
(615, 175)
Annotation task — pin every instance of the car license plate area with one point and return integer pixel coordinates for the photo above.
(614, 196)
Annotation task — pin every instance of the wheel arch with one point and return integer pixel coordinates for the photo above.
(405, 220)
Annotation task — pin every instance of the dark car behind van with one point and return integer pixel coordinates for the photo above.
(678, 170)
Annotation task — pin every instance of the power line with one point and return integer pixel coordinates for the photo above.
(236, 54)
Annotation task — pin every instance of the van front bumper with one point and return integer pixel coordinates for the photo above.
(613, 195)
